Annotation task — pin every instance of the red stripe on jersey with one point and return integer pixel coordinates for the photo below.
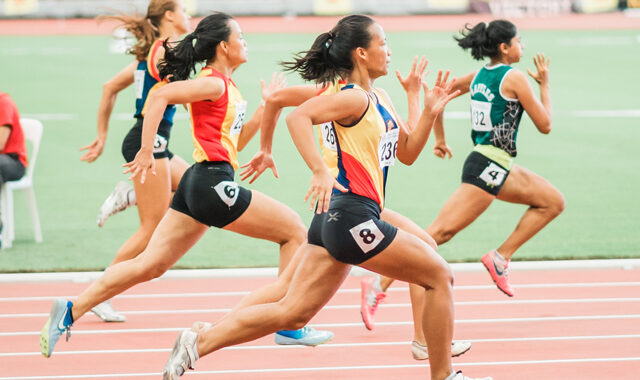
(153, 69)
(360, 181)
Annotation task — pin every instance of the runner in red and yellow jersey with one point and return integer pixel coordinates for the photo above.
(207, 194)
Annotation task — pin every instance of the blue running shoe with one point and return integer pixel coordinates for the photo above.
(59, 322)
(306, 336)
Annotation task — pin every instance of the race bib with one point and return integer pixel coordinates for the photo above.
(493, 175)
(367, 235)
(159, 144)
(138, 81)
(329, 136)
(481, 116)
(228, 192)
(387, 148)
(238, 121)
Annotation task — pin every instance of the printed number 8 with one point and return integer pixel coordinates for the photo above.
(367, 236)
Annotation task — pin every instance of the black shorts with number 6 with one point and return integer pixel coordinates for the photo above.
(483, 172)
(208, 193)
(351, 231)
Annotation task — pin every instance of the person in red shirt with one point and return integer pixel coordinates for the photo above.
(13, 150)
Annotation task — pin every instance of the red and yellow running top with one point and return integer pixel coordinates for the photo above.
(366, 149)
(216, 125)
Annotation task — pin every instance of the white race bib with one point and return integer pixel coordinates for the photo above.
(159, 144)
(367, 235)
(238, 121)
(328, 136)
(387, 148)
(493, 175)
(138, 81)
(481, 116)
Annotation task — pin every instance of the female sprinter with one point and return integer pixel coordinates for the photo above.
(348, 231)
(165, 19)
(207, 194)
(499, 96)
(296, 95)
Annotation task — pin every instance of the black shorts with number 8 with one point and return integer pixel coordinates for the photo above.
(351, 230)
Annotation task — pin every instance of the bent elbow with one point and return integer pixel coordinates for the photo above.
(545, 128)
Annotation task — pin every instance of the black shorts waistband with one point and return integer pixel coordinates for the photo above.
(344, 199)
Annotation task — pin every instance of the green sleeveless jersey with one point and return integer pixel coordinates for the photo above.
(494, 117)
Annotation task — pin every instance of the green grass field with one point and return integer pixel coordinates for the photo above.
(594, 160)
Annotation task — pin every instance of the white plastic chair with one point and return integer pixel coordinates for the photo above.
(32, 132)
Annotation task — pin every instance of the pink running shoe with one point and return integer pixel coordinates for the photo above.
(500, 277)
(370, 298)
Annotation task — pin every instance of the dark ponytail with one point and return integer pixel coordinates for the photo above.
(329, 57)
(484, 39)
(180, 60)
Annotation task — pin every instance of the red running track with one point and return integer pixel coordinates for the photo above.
(562, 324)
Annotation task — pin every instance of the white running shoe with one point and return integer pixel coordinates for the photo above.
(459, 376)
(306, 336)
(107, 313)
(117, 201)
(458, 347)
(183, 355)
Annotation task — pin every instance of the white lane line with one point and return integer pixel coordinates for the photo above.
(358, 324)
(357, 306)
(342, 291)
(334, 368)
(328, 345)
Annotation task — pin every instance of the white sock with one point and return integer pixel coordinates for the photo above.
(499, 259)
(131, 197)
(376, 285)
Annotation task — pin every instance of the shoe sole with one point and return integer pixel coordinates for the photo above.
(165, 374)
(492, 279)
(293, 342)
(45, 333)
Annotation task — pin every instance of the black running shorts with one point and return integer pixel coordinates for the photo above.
(131, 143)
(483, 172)
(351, 230)
(208, 193)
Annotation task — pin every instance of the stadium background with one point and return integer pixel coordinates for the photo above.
(55, 73)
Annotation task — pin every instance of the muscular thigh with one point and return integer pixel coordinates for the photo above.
(409, 259)
(400, 221)
(153, 196)
(526, 187)
(267, 219)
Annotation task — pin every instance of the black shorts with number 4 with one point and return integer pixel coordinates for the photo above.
(483, 172)
(351, 230)
(208, 194)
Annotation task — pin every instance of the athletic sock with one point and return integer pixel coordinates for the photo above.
(376, 285)
(131, 197)
(499, 259)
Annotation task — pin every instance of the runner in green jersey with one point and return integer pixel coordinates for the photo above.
(499, 96)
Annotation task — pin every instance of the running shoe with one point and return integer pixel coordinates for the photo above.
(459, 376)
(59, 322)
(499, 277)
(306, 336)
(369, 300)
(117, 201)
(107, 313)
(458, 348)
(183, 355)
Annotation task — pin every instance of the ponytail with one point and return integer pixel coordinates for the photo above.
(484, 39)
(181, 59)
(329, 57)
(143, 28)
